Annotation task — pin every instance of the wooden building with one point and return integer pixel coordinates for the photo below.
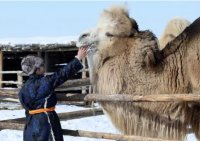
(54, 54)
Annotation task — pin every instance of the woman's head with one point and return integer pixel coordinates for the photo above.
(32, 64)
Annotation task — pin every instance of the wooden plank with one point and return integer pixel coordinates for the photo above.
(11, 82)
(4, 95)
(76, 83)
(89, 134)
(67, 84)
(15, 91)
(10, 72)
(80, 114)
(20, 72)
(9, 100)
(125, 97)
(46, 60)
(19, 80)
(67, 115)
(128, 97)
(84, 76)
(39, 54)
(60, 97)
(70, 97)
(12, 91)
(110, 136)
(1, 68)
(68, 89)
(14, 126)
(144, 98)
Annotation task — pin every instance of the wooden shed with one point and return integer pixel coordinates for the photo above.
(54, 53)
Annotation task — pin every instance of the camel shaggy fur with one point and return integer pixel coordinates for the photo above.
(125, 60)
(173, 28)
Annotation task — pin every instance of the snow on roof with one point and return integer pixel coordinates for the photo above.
(39, 40)
(37, 43)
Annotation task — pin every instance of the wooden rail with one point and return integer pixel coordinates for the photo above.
(19, 81)
(68, 84)
(66, 116)
(20, 75)
(10, 72)
(11, 82)
(20, 72)
(89, 134)
(144, 98)
(60, 97)
(118, 97)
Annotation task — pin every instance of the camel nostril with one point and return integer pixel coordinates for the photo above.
(109, 34)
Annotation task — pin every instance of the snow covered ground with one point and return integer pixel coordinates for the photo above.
(96, 123)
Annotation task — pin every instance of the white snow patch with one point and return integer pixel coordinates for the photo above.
(39, 40)
(12, 114)
(95, 124)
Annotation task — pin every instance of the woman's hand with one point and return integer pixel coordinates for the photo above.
(82, 52)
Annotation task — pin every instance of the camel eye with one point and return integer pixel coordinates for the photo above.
(109, 34)
(84, 35)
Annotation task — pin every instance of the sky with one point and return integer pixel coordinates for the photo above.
(22, 19)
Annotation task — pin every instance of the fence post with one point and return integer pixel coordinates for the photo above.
(84, 76)
(1, 68)
(46, 60)
(19, 79)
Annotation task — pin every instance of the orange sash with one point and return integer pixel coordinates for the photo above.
(38, 111)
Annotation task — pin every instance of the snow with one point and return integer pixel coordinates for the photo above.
(95, 123)
(12, 114)
(39, 40)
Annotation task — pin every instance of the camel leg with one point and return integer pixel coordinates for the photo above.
(195, 121)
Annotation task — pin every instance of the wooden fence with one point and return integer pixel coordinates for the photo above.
(10, 94)
(18, 123)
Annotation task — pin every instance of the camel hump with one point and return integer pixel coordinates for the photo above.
(188, 37)
(173, 28)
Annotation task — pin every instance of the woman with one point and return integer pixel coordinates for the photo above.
(38, 98)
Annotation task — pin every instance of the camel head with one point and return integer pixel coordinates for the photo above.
(114, 23)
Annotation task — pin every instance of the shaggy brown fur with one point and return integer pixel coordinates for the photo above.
(124, 64)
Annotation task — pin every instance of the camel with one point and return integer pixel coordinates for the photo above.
(173, 28)
(124, 60)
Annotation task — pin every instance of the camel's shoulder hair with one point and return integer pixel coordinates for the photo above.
(173, 28)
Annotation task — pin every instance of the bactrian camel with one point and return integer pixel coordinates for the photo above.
(126, 60)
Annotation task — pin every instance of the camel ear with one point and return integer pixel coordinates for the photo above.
(134, 24)
(135, 29)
